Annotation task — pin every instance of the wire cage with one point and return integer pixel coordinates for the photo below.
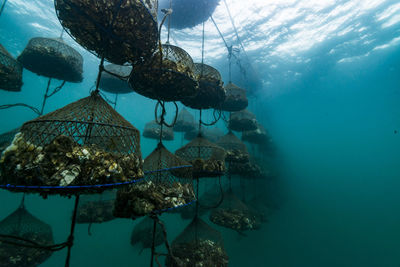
(169, 77)
(189, 13)
(234, 214)
(166, 186)
(118, 30)
(247, 170)
(117, 83)
(198, 245)
(52, 58)
(6, 138)
(24, 225)
(256, 136)
(142, 234)
(236, 150)
(242, 121)
(211, 93)
(84, 147)
(10, 72)
(152, 130)
(235, 100)
(208, 159)
(184, 122)
(96, 208)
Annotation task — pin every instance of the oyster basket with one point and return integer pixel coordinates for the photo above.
(184, 122)
(22, 224)
(167, 185)
(169, 77)
(118, 30)
(84, 147)
(10, 72)
(211, 93)
(113, 84)
(52, 58)
(152, 130)
(235, 100)
(208, 159)
(242, 121)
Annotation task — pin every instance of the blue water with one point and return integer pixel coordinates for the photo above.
(336, 200)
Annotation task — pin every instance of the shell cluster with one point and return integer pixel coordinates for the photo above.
(211, 167)
(63, 162)
(235, 219)
(236, 155)
(147, 197)
(201, 253)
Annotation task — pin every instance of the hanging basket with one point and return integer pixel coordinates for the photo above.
(24, 225)
(152, 130)
(52, 58)
(189, 13)
(248, 170)
(142, 234)
(96, 208)
(6, 139)
(84, 147)
(242, 121)
(10, 72)
(208, 159)
(120, 30)
(168, 79)
(118, 83)
(235, 100)
(234, 214)
(167, 185)
(236, 150)
(257, 136)
(184, 122)
(211, 93)
(198, 245)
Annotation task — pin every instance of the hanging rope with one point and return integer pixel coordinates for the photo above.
(2, 7)
(219, 201)
(70, 240)
(7, 106)
(163, 113)
(217, 117)
(48, 95)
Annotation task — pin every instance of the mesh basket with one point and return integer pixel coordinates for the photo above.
(76, 148)
(143, 234)
(210, 93)
(189, 13)
(257, 136)
(198, 245)
(235, 100)
(249, 170)
(6, 139)
(152, 130)
(169, 79)
(96, 209)
(52, 58)
(236, 150)
(208, 159)
(113, 84)
(119, 30)
(22, 224)
(167, 185)
(243, 121)
(10, 72)
(234, 214)
(184, 122)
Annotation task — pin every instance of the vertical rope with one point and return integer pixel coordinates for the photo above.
(45, 97)
(202, 51)
(2, 7)
(169, 21)
(71, 234)
(101, 69)
(115, 101)
(153, 244)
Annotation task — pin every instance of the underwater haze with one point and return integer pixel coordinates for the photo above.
(323, 77)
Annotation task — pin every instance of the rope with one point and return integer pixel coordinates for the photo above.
(2, 7)
(220, 200)
(20, 105)
(70, 241)
(216, 118)
(47, 95)
(219, 31)
(163, 113)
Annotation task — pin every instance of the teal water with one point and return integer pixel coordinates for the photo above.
(336, 200)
